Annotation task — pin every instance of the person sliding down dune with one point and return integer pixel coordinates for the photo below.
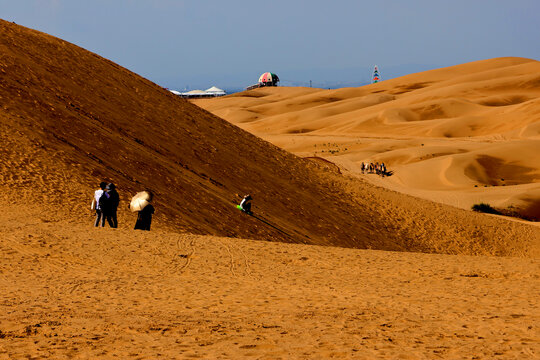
(245, 205)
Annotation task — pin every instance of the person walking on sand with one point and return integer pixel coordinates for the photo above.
(100, 218)
(245, 205)
(141, 203)
(109, 204)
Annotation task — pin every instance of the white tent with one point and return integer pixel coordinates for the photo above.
(216, 91)
(212, 92)
(175, 92)
(195, 92)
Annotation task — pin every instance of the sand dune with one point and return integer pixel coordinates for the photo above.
(68, 292)
(447, 133)
(71, 119)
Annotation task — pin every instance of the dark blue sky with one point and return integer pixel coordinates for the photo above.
(198, 43)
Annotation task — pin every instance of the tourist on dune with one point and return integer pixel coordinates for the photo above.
(141, 203)
(95, 205)
(109, 204)
(245, 205)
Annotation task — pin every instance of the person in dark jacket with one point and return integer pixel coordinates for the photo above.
(144, 216)
(109, 205)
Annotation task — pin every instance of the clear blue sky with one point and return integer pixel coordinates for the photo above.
(199, 43)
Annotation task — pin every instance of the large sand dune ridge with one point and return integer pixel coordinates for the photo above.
(71, 119)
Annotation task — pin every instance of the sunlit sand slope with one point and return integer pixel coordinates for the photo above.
(68, 292)
(456, 135)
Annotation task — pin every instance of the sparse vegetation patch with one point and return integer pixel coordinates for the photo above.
(485, 208)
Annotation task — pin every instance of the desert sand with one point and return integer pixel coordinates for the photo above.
(460, 135)
(74, 292)
(333, 266)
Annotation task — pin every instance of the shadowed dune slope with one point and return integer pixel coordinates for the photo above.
(445, 133)
(70, 118)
